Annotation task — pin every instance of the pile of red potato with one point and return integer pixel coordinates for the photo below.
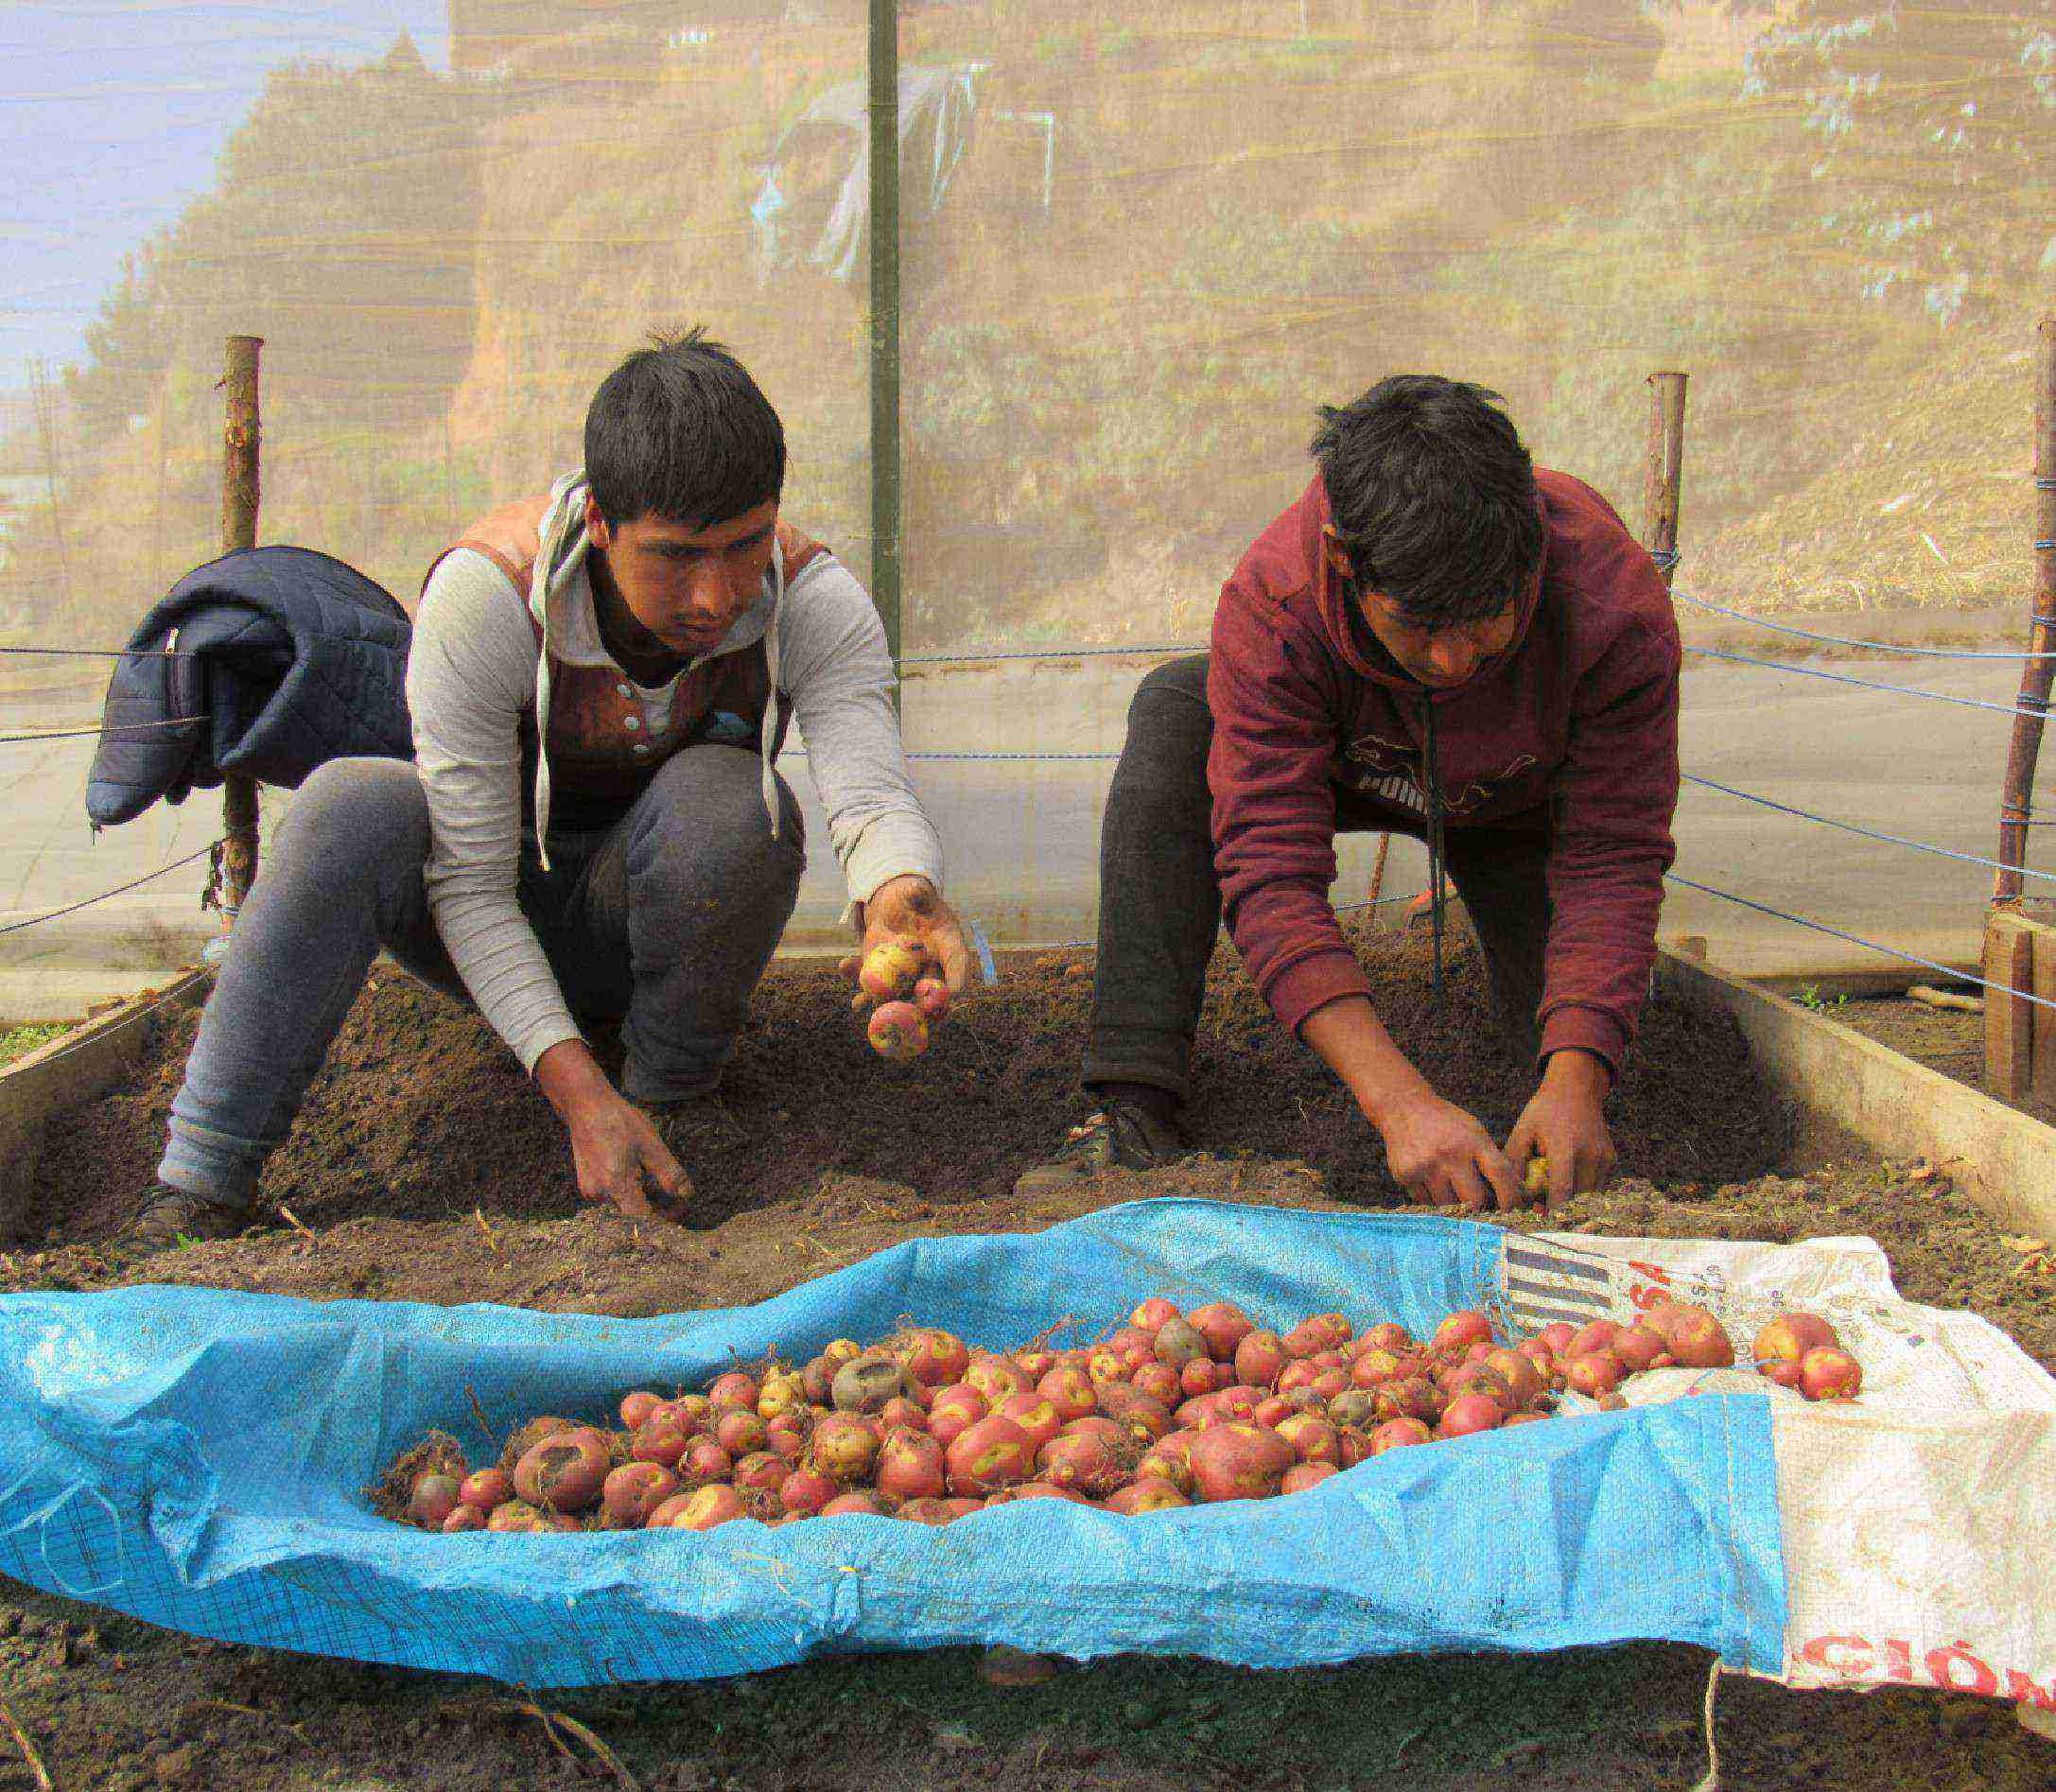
(1171, 1409)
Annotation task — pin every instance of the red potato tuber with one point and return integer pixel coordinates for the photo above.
(1177, 1343)
(804, 1491)
(1037, 1415)
(734, 1388)
(1138, 1414)
(705, 1460)
(1460, 1331)
(486, 1487)
(1070, 1391)
(1470, 1413)
(865, 1384)
(909, 1466)
(897, 1032)
(1697, 1340)
(702, 1510)
(858, 1503)
(518, 1515)
(565, 1472)
(902, 1411)
(1790, 1336)
(1152, 1313)
(740, 1432)
(1594, 1373)
(890, 969)
(1597, 1336)
(952, 1411)
(634, 1490)
(1827, 1372)
(1639, 1348)
(637, 1407)
(1239, 1462)
(934, 1358)
(993, 1453)
(1388, 1335)
(465, 1518)
(761, 1469)
(928, 1509)
(1160, 1382)
(1397, 1433)
(1259, 1359)
(932, 997)
(1223, 1326)
(1146, 1494)
(434, 1498)
(995, 1377)
(1311, 1439)
(1303, 1475)
(843, 1448)
(1087, 1460)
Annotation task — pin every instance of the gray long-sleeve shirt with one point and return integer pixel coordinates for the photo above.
(472, 675)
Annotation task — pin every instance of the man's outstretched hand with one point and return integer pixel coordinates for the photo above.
(1565, 1123)
(911, 908)
(616, 1152)
(1441, 1154)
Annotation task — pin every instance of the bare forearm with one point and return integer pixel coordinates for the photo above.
(1353, 1042)
(571, 1079)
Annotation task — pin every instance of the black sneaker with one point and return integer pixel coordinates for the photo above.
(169, 1219)
(1120, 1138)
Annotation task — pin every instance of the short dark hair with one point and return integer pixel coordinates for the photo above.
(1433, 497)
(680, 430)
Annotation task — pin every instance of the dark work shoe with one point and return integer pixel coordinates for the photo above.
(171, 1219)
(1122, 1137)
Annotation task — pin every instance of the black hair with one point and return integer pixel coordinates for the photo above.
(681, 431)
(1433, 497)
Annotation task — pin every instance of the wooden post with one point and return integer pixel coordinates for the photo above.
(1664, 472)
(2008, 968)
(239, 496)
(2016, 801)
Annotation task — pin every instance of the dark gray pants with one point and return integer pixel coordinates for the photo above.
(666, 921)
(1160, 900)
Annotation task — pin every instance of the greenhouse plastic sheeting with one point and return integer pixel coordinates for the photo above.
(198, 1458)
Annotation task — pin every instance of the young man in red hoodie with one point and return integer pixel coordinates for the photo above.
(1439, 640)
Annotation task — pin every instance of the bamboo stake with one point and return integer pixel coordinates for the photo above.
(239, 496)
(1664, 473)
(2016, 800)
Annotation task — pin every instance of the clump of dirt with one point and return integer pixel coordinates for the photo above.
(419, 1113)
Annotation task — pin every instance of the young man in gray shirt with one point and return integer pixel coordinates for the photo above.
(600, 680)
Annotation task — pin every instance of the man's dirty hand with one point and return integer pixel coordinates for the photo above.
(1565, 1123)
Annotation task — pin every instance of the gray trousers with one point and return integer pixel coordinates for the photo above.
(665, 921)
(1160, 898)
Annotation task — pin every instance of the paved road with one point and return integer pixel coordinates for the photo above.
(1023, 837)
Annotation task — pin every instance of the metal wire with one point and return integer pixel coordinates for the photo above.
(119, 727)
(1845, 641)
(1849, 827)
(1891, 952)
(1868, 683)
(101, 652)
(1053, 653)
(37, 920)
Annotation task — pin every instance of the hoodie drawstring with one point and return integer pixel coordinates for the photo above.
(1436, 882)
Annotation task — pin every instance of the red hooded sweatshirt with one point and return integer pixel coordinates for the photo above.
(1572, 729)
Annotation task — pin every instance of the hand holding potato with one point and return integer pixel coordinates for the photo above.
(912, 960)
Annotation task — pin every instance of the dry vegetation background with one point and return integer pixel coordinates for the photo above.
(1837, 221)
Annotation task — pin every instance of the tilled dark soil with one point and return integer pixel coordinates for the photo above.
(421, 1114)
(425, 1167)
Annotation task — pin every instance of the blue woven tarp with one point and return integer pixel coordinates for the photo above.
(197, 1459)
